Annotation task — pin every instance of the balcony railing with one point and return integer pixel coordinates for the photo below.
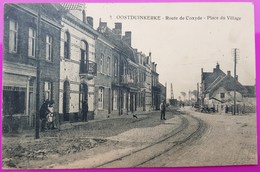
(127, 80)
(88, 68)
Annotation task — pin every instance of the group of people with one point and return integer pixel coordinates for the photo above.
(47, 115)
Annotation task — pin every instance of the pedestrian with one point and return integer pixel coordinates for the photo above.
(85, 111)
(43, 114)
(163, 109)
(226, 109)
(50, 116)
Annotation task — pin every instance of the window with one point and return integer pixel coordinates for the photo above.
(66, 45)
(114, 99)
(115, 67)
(102, 63)
(48, 90)
(222, 95)
(31, 42)
(14, 100)
(100, 98)
(84, 57)
(13, 36)
(48, 48)
(108, 65)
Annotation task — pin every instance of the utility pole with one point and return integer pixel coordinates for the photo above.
(235, 77)
(37, 117)
(165, 91)
(172, 96)
(197, 92)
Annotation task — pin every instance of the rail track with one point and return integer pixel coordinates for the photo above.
(190, 129)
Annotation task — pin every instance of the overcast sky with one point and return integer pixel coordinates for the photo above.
(182, 47)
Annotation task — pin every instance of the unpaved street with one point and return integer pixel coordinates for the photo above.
(186, 138)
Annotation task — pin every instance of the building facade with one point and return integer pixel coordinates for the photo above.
(105, 75)
(31, 62)
(77, 67)
(52, 52)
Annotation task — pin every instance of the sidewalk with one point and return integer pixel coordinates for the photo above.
(71, 125)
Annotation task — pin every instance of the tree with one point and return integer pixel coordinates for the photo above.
(183, 95)
(194, 93)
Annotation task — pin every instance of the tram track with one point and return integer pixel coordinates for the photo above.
(191, 129)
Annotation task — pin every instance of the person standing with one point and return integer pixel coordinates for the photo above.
(85, 111)
(43, 114)
(163, 109)
(50, 116)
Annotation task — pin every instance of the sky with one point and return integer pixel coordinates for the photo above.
(182, 46)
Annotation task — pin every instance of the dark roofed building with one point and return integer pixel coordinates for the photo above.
(217, 90)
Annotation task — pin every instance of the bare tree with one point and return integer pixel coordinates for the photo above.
(183, 95)
(194, 93)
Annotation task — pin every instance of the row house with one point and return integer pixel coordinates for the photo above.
(52, 52)
(77, 64)
(157, 88)
(145, 81)
(105, 76)
(125, 79)
(31, 62)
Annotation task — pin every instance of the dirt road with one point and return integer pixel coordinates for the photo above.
(186, 138)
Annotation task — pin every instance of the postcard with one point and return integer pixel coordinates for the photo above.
(128, 85)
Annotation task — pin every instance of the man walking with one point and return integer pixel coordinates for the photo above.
(163, 109)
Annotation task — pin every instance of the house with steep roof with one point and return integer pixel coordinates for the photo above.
(218, 88)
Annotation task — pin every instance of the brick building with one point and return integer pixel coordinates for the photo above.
(105, 75)
(75, 63)
(28, 28)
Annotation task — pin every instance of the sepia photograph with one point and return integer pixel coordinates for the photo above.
(128, 85)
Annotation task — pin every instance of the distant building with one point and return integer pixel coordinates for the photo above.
(217, 90)
(158, 90)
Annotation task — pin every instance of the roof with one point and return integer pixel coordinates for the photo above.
(229, 83)
(211, 77)
(251, 90)
(118, 42)
(205, 75)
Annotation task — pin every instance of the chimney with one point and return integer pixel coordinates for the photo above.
(128, 38)
(155, 67)
(228, 73)
(90, 21)
(217, 66)
(118, 29)
(102, 24)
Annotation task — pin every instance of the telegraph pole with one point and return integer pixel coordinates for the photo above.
(165, 91)
(37, 116)
(172, 96)
(235, 77)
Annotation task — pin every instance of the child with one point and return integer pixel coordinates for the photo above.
(50, 117)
